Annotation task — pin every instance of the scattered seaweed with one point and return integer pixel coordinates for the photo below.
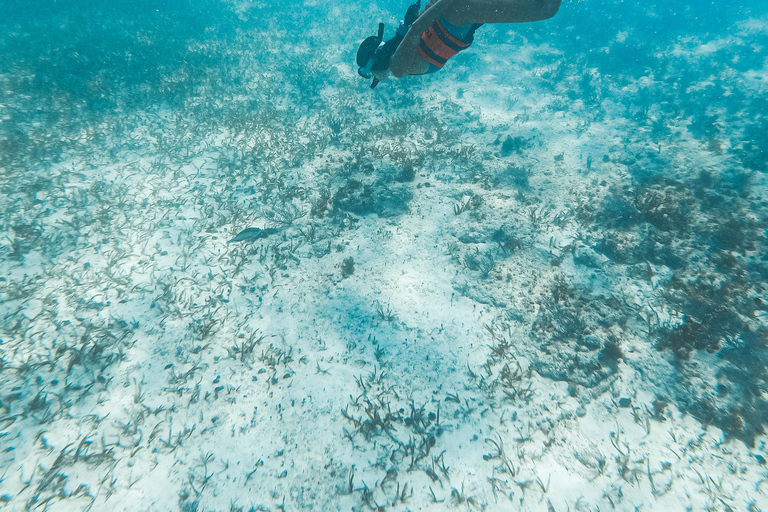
(126, 170)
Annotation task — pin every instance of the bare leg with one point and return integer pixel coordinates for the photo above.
(501, 11)
(406, 60)
(417, 66)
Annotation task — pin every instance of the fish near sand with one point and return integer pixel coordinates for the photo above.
(253, 234)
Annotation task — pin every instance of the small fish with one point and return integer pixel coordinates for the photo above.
(252, 234)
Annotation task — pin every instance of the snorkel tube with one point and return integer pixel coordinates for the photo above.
(374, 56)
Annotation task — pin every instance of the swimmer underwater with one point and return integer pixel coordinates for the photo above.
(425, 40)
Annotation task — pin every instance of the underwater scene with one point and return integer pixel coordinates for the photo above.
(234, 276)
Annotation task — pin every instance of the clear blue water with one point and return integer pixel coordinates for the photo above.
(535, 280)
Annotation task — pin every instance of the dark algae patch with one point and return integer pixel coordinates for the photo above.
(362, 198)
(579, 333)
(709, 230)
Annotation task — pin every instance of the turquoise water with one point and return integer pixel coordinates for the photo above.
(234, 277)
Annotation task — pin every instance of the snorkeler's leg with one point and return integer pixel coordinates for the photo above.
(501, 11)
(406, 60)
(417, 66)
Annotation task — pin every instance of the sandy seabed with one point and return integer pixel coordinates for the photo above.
(434, 324)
